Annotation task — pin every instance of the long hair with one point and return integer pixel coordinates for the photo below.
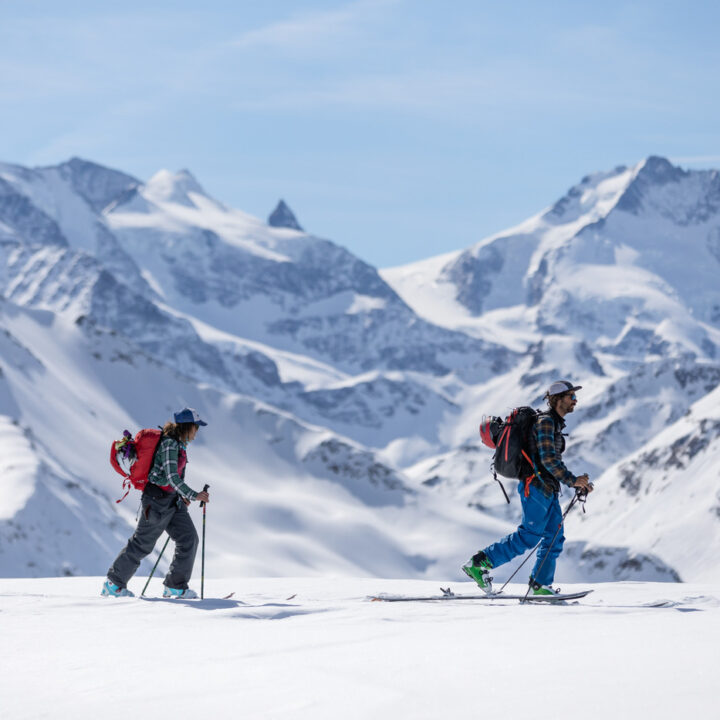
(178, 431)
(552, 400)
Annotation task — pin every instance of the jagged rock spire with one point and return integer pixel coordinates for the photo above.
(283, 216)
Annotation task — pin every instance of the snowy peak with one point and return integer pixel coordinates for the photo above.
(651, 232)
(652, 172)
(283, 217)
(660, 171)
(686, 197)
(653, 186)
(97, 184)
(168, 187)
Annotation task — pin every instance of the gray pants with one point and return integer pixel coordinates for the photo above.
(167, 513)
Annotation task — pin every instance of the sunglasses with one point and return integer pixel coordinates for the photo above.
(572, 396)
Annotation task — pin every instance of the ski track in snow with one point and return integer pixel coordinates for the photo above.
(316, 648)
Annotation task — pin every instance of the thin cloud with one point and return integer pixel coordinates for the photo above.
(308, 31)
(429, 91)
(437, 92)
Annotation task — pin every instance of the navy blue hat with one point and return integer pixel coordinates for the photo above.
(189, 415)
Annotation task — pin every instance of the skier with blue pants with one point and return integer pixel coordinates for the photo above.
(542, 518)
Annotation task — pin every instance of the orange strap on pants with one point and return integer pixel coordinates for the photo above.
(527, 485)
(528, 480)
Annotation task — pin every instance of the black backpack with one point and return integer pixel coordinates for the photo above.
(514, 443)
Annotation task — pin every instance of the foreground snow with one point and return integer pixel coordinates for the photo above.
(316, 648)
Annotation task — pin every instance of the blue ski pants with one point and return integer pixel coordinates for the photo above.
(541, 517)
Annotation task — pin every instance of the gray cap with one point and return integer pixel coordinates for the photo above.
(562, 386)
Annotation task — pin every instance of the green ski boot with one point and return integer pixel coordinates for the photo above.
(536, 589)
(478, 568)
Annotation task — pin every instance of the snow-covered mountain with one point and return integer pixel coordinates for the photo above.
(220, 286)
(627, 261)
(343, 401)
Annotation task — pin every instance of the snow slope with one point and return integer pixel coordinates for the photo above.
(292, 498)
(315, 648)
(678, 468)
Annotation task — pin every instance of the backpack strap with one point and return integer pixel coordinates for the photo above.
(155, 451)
(531, 462)
(536, 472)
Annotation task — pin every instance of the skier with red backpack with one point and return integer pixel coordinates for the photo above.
(542, 474)
(163, 508)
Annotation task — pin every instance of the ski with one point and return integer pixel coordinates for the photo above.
(448, 594)
(171, 599)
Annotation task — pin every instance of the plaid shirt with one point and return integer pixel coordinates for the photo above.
(550, 446)
(165, 468)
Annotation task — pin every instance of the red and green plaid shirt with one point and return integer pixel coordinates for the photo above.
(164, 471)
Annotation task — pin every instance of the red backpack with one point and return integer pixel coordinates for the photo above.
(137, 455)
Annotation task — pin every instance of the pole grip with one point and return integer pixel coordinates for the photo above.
(205, 489)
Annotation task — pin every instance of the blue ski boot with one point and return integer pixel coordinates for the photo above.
(179, 593)
(110, 589)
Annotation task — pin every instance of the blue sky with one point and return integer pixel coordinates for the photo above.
(400, 129)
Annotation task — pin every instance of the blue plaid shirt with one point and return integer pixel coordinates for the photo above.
(550, 446)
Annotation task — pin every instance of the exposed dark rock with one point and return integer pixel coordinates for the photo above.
(97, 184)
(472, 273)
(283, 216)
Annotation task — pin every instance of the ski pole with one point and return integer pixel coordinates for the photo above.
(203, 505)
(155, 566)
(532, 552)
(578, 494)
